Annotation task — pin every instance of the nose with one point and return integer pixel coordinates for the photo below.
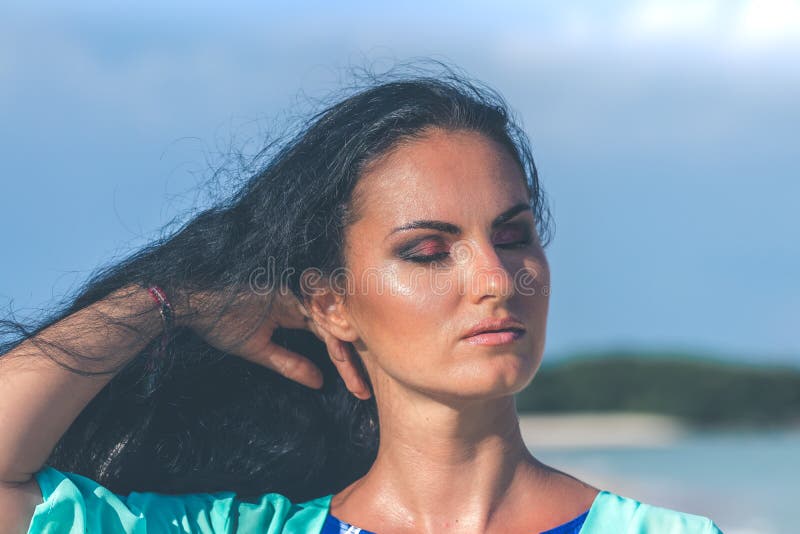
(485, 276)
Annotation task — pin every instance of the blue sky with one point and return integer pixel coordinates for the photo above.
(665, 134)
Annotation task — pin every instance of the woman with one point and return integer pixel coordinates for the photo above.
(390, 259)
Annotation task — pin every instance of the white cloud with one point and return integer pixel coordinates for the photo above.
(673, 18)
(768, 22)
(732, 25)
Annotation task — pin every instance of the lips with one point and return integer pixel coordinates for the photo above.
(492, 325)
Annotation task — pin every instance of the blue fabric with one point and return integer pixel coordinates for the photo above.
(570, 527)
(334, 525)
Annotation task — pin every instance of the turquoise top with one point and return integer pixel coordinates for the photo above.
(73, 504)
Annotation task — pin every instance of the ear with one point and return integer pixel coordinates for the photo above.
(326, 307)
(328, 311)
(350, 368)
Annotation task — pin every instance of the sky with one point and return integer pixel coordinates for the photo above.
(665, 134)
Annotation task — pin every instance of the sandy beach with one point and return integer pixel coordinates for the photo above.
(591, 430)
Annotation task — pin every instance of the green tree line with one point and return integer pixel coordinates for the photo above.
(700, 391)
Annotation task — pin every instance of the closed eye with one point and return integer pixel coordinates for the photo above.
(431, 258)
(440, 256)
(516, 244)
(435, 249)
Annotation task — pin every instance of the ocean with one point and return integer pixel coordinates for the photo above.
(746, 481)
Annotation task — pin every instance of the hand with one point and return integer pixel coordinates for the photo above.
(245, 328)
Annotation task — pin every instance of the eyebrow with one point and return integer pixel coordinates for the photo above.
(450, 228)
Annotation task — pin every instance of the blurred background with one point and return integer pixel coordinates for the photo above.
(665, 133)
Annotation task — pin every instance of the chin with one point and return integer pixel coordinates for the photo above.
(500, 376)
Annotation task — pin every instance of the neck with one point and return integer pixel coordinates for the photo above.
(438, 461)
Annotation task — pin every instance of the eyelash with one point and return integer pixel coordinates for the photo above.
(436, 258)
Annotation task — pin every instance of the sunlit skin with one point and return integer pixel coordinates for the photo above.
(451, 457)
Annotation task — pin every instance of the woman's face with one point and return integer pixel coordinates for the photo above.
(445, 239)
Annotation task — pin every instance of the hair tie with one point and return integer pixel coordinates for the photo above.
(155, 361)
(164, 307)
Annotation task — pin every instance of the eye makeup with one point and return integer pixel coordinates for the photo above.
(433, 248)
(423, 249)
(517, 233)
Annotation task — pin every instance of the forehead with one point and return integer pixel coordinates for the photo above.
(455, 176)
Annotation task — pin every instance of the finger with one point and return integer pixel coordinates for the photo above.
(336, 347)
(296, 323)
(315, 329)
(288, 312)
(345, 363)
(259, 348)
(291, 365)
(301, 308)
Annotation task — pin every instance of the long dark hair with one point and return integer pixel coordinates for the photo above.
(218, 422)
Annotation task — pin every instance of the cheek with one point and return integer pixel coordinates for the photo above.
(533, 278)
(400, 309)
(532, 282)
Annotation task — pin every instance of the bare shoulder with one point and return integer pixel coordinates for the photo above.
(17, 502)
(554, 499)
(567, 488)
